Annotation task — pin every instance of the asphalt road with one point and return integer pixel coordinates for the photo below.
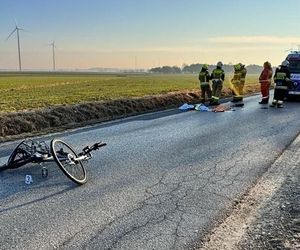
(160, 183)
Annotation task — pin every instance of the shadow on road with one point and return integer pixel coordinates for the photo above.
(37, 200)
(13, 185)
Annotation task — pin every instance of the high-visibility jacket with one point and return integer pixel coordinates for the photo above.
(218, 74)
(282, 78)
(204, 77)
(239, 76)
(238, 82)
(243, 75)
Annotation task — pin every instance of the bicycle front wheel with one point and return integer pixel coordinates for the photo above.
(65, 157)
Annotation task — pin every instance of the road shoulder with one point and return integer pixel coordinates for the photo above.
(268, 216)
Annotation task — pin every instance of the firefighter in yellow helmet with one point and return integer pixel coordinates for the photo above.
(204, 78)
(217, 76)
(238, 82)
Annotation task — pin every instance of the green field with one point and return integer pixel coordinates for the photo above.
(37, 90)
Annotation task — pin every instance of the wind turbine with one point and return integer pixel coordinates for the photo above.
(53, 53)
(17, 29)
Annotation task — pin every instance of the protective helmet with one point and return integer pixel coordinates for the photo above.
(204, 66)
(285, 63)
(242, 65)
(219, 64)
(237, 66)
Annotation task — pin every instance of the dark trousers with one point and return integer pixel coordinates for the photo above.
(279, 94)
(205, 89)
(216, 90)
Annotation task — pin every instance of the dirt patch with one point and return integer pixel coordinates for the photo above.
(70, 116)
(278, 225)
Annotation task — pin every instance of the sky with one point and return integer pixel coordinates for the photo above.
(147, 33)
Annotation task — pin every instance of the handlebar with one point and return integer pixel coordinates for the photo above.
(88, 149)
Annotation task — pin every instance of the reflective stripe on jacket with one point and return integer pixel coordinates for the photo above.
(282, 74)
(218, 74)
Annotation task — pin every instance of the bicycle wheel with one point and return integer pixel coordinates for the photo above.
(65, 156)
(20, 156)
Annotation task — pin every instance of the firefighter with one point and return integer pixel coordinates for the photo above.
(282, 80)
(238, 82)
(204, 78)
(217, 76)
(265, 82)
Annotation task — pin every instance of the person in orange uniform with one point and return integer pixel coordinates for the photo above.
(265, 82)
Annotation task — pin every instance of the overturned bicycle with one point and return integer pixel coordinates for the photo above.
(70, 162)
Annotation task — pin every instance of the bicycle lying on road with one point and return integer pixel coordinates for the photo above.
(71, 163)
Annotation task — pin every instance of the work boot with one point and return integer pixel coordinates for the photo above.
(273, 105)
(279, 105)
(264, 101)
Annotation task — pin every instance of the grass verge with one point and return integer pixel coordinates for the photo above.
(42, 103)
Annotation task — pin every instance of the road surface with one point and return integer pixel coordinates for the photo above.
(161, 182)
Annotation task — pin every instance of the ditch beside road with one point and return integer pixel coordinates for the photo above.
(62, 117)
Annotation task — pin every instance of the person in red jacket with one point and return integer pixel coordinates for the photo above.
(265, 82)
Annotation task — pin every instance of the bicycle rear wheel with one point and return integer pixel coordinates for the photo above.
(64, 155)
(21, 155)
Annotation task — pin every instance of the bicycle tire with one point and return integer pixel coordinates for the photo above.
(18, 158)
(74, 170)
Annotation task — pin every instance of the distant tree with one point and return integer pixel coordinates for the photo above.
(166, 70)
(254, 69)
(183, 65)
(195, 69)
(155, 70)
(176, 70)
(228, 68)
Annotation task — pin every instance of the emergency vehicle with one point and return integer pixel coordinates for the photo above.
(294, 67)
